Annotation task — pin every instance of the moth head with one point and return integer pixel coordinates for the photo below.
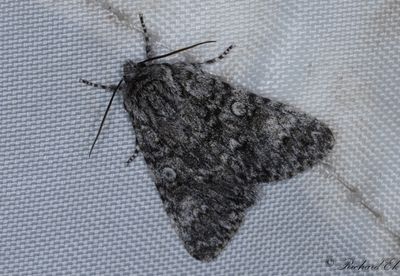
(130, 70)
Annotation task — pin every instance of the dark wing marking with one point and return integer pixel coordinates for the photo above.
(209, 144)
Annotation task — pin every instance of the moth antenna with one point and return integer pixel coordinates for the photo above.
(105, 115)
(177, 51)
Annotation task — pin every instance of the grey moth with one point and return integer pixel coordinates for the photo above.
(210, 145)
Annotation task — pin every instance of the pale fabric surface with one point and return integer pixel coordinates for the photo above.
(62, 213)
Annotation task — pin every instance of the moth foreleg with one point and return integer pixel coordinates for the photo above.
(221, 56)
(111, 87)
(146, 37)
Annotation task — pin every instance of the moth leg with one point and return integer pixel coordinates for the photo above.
(98, 85)
(146, 37)
(134, 155)
(221, 56)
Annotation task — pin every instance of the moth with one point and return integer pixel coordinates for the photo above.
(209, 145)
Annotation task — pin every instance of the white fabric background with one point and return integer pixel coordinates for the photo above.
(62, 213)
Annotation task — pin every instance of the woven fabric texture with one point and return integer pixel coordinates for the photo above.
(63, 213)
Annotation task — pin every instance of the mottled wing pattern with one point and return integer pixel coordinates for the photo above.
(209, 145)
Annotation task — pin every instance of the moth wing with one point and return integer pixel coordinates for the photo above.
(209, 144)
(274, 141)
(206, 210)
